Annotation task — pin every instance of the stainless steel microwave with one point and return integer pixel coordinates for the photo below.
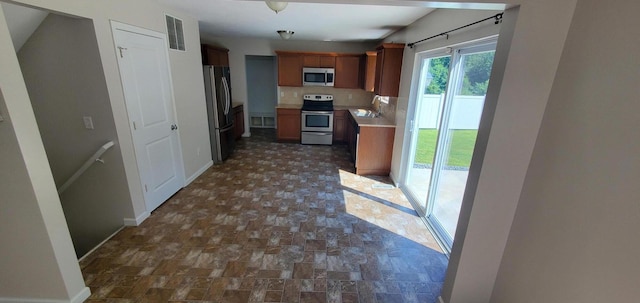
(318, 76)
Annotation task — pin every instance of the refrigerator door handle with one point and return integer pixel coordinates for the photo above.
(228, 128)
(227, 105)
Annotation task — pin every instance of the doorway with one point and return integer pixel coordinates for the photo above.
(262, 91)
(450, 94)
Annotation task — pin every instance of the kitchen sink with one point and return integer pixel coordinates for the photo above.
(365, 113)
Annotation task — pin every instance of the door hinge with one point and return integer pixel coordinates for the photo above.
(134, 125)
(145, 188)
(412, 126)
(120, 48)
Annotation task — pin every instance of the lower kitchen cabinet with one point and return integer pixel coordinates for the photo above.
(340, 124)
(238, 121)
(371, 148)
(288, 126)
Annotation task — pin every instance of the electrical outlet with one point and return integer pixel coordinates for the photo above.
(1, 118)
(295, 94)
(350, 96)
(198, 151)
(88, 122)
(281, 94)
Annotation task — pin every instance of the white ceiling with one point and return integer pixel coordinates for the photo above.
(309, 21)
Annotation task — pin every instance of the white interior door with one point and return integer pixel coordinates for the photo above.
(144, 71)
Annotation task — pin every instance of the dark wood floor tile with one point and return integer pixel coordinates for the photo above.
(291, 291)
(236, 296)
(273, 296)
(234, 269)
(350, 298)
(158, 294)
(313, 297)
(196, 294)
(303, 271)
(119, 292)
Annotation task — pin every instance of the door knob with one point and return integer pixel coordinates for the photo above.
(174, 127)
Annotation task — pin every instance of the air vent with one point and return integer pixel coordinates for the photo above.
(176, 34)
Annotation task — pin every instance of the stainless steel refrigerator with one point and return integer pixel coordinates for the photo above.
(218, 93)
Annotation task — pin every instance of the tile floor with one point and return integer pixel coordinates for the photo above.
(274, 223)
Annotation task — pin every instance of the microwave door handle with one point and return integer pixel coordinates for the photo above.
(325, 78)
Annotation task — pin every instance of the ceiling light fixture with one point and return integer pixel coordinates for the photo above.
(285, 35)
(276, 6)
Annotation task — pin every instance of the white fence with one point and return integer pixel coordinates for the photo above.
(465, 113)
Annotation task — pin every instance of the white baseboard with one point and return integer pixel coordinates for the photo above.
(198, 173)
(440, 299)
(137, 221)
(246, 135)
(78, 298)
(81, 296)
(98, 246)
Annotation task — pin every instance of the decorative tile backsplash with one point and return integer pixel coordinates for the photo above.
(341, 96)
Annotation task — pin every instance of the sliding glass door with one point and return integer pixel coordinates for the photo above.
(447, 113)
(432, 86)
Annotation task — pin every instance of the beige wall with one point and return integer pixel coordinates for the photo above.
(37, 257)
(62, 91)
(575, 233)
(239, 48)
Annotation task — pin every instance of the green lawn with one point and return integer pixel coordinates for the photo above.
(461, 147)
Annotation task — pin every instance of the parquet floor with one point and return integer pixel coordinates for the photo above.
(275, 223)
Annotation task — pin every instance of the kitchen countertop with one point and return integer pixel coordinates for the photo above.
(370, 122)
(235, 104)
(362, 121)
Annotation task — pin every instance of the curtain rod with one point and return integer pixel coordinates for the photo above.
(497, 19)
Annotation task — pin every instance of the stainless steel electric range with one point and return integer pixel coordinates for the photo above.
(317, 119)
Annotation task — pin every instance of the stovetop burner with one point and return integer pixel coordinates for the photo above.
(317, 103)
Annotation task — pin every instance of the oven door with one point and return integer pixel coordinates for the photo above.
(317, 121)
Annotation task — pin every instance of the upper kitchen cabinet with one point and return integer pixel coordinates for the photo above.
(319, 61)
(370, 71)
(289, 69)
(348, 71)
(216, 56)
(388, 68)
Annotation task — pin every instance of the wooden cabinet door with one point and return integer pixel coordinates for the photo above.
(375, 148)
(327, 61)
(319, 61)
(311, 61)
(340, 125)
(290, 70)
(216, 56)
(388, 69)
(347, 72)
(370, 71)
(288, 128)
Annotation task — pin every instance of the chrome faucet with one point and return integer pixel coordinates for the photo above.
(377, 97)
